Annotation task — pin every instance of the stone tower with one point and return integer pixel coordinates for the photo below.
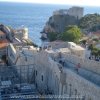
(76, 11)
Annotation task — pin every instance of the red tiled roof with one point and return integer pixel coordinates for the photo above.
(2, 33)
(3, 43)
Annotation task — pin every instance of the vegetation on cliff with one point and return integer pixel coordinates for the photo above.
(72, 33)
(52, 36)
(94, 51)
(91, 22)
(58, 23)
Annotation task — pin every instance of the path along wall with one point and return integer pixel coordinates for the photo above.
(91, 65)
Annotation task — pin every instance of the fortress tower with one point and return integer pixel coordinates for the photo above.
(76, 11)
(73, 11)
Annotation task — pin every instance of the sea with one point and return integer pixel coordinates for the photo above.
(32, 16)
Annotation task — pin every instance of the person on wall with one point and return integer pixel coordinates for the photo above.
(77, 67)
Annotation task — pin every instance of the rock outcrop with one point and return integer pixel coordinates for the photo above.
(62, 18)
(58, 23)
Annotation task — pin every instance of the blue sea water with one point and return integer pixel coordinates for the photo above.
(33, 16)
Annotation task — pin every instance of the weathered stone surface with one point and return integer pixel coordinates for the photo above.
(57, 23)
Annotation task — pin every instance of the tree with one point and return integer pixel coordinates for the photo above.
(90, 47)
(91, 22)
(94, 51)
(72, 33)
(52, 36)
(83, 42)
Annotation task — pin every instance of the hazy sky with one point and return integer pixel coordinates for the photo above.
(72, 2)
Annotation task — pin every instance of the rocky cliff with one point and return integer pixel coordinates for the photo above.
(57, 23)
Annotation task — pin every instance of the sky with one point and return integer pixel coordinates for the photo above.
(67, 2)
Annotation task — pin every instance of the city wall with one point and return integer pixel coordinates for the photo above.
(80, 86)
(91, 65)
(60, 80)
(50, 77)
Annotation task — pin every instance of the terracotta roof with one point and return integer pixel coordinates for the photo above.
(2, 33)
(3, 43)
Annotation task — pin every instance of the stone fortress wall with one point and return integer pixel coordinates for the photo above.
(81, 86)
(73, 11)
(60, 80)
(76, 11)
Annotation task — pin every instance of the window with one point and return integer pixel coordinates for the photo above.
(36, 72)
(42, 77)
(75, 91)
(11, 55)
(25, 58)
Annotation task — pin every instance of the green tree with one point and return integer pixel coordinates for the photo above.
(90, 47)
(95, 51)
(52, 36)
(83, 42)
(99, 52)
(72, 33)
(90, 22)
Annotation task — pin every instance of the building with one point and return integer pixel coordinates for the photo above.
(55, 44)
(61, 12)
(2, 35)
(8, 31)
(60, 46)
(21, 34)
(3, 43)
(76, 49)
(6, 36)
(15, 52)
(76, 11)
(73, 11)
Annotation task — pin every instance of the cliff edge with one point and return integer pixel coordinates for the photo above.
(61, 19)
(58, 23)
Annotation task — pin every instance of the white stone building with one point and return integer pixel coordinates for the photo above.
(21, 34)
(76, 49)
(60, 46)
